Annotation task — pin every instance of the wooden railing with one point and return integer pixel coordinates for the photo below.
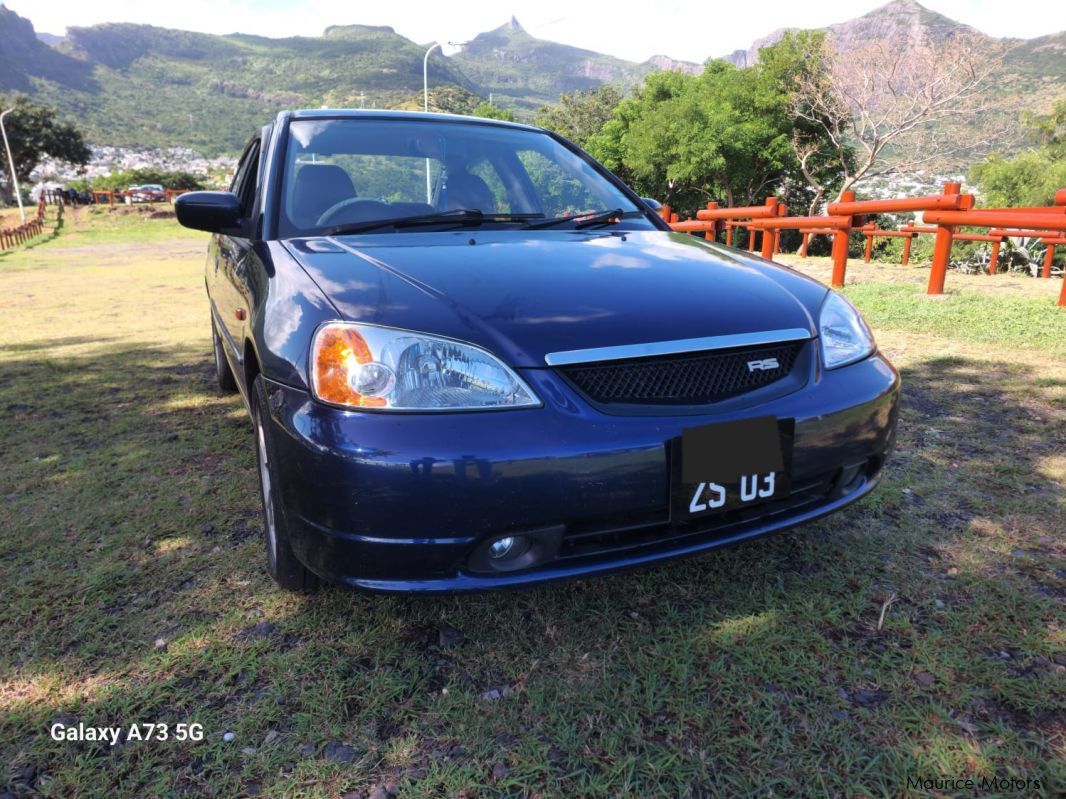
(943, 214)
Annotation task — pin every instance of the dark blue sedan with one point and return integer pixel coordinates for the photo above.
(475, 359)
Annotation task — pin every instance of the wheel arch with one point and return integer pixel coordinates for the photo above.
(252, 367)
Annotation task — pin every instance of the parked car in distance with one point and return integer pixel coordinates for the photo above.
(147, 193)
(473, 359)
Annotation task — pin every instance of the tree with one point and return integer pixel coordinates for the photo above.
(447, 98)
(893, 97)
(34, 131)
(487, 110)
(723, 135)
(1033, 176)
(580, 115)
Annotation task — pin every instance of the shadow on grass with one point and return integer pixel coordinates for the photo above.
(130, 563)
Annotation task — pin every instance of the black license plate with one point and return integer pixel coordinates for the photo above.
(720, 467)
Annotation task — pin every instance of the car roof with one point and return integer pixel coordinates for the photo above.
(373, 113)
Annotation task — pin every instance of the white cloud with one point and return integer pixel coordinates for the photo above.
(687, 29)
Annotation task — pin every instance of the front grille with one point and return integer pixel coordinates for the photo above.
(688, 379)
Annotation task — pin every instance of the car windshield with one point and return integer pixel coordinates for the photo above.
(352, 174)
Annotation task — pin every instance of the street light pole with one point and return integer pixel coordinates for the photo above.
(425, 98)
(425, 104)
(425, 75)
(11, 163)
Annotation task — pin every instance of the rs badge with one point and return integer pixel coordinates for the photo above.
(765, 365)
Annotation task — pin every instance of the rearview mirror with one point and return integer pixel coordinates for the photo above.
(654, 205)
(213, 211)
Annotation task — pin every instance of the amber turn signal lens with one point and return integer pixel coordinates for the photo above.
(337, 352)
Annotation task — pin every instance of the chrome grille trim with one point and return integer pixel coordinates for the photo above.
(677, 347)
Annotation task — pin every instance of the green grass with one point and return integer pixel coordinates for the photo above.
(1007, 310)
(130, 569)
(1006, 321)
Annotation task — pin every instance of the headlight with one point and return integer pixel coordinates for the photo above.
(366, 366)
(845, 336)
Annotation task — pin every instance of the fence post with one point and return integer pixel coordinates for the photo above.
(941, 258)
(712, 234)
(840, 246)
(803, 244)
(869, 246)
(993, 258)
(907, 248)
(782, 210)
(1049, 256)
(942, 249)
(728, 235)
(769, 235)
(767, 244)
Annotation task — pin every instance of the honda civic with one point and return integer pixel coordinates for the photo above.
(473, 358)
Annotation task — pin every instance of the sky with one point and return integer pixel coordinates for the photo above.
(692, 30)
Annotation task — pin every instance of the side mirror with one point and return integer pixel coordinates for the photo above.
(654, 205)
(213, 211)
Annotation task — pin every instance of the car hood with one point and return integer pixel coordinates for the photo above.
(525, 294)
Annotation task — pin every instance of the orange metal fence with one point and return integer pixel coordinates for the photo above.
(943, 214)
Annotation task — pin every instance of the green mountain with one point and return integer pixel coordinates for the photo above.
(1033, 74)
(138, 85)
(143, 86)
(523, 72)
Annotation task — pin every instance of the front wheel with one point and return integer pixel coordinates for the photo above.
(282, 563)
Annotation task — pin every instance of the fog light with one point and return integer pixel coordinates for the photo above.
(501, 547)
(851, 477)
(524, 550)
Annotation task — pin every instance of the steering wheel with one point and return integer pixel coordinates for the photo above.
(334, 216)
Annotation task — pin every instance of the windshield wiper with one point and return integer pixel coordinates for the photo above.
(581, 220)
(458, 216)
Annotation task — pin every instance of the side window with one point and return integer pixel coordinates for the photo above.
(246, 189)
(246, 179)
(242, 169)
(559, 191)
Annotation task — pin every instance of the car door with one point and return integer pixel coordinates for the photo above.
(231, 262)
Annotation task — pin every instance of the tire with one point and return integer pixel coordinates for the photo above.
(223, 374)
(282, 563)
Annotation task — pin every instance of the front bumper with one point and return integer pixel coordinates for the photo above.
(398, 502)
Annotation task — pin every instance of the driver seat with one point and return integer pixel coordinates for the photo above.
(317, 188)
